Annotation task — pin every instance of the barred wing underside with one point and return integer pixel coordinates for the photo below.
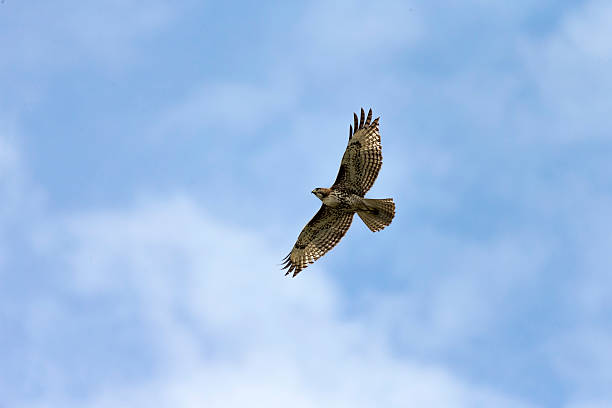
(321, 234)
(363, 157)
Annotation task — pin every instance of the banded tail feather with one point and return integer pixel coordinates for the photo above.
(379, 213)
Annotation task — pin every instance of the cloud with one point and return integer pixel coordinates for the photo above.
(7, 190)
(357, 32)
(470, 288)
(170, 301)
(580, 351)
(61, 34)
(21, 201)
(589, 404)
(570, 69)
(217, 314)
(228, 106)
(9, 173)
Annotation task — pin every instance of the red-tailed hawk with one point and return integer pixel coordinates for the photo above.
(358, 170)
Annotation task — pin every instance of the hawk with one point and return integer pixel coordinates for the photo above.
(358, 170)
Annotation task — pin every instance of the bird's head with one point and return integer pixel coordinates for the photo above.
(321, 193)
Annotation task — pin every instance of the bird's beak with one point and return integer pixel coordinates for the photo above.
(312, 191)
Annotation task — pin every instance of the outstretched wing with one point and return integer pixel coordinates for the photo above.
(363, 157)
(321, 234)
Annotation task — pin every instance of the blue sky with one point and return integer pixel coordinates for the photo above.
(156, 163)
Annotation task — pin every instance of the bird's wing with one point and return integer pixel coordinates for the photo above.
(321, 234)
(363, 157)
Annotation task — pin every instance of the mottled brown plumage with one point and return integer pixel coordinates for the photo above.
(359, 168)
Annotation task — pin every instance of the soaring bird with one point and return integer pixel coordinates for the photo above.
(358, 171)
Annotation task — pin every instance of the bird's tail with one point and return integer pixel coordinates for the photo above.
(378, 213)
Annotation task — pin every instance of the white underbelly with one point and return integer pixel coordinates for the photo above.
(331, 201)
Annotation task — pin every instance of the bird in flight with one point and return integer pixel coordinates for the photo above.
(358, 171)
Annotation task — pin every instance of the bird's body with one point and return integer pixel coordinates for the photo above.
(338, 199)
(358, 171)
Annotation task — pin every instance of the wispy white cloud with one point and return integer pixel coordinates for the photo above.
(589, 403)
(7, 190)
(584, 360)
(54, 35)
(204, 295)
(344, 38)
(11, 172)
(223, 319)
(20, 200)
(357, 32)
(476, 285)
(228, 107)
(570, 69)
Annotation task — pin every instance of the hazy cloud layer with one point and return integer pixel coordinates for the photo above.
(155, 166)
